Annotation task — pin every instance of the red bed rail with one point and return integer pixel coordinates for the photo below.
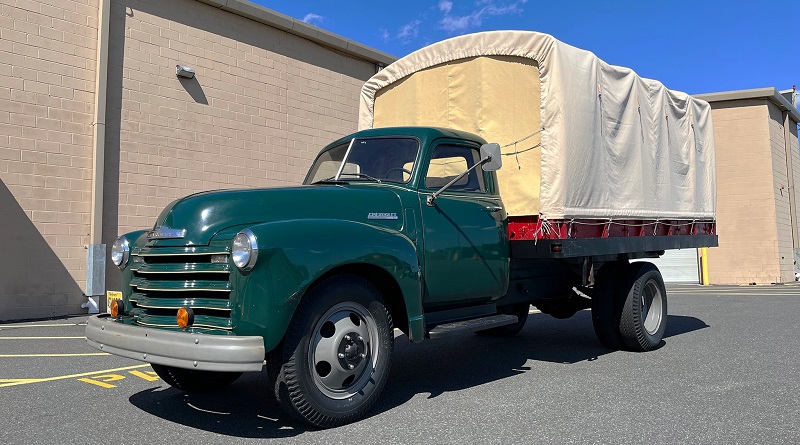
(535, 228)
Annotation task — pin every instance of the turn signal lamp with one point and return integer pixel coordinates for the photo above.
(117, 308)
(185, 317)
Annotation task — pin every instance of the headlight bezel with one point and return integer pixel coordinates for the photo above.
(121, 249)
(244, 241)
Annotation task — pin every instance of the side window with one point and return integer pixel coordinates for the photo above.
(449, 161)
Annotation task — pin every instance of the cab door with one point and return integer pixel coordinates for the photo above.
(465, 248)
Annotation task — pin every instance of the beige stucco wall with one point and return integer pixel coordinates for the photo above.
(753, 217)
(47, 63)
(748, 237)
(262, 104)
(795, 150)
(782, 192)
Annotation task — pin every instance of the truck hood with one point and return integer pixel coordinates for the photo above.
(203, 215)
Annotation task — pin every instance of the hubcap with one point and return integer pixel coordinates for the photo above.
(651, 307)
(343, 350)
(351, 351)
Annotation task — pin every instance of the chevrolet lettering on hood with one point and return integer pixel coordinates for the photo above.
(377, 215)
(163, 232)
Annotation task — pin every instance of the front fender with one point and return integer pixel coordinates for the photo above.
(294, 254)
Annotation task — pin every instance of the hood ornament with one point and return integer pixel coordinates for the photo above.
(164, 232)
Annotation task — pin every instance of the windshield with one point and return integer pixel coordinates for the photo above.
(373, 159)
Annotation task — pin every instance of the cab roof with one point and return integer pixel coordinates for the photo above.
(422, 133)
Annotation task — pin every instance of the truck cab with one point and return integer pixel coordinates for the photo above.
(461, 232)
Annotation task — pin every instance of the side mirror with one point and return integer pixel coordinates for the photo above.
(491, 153)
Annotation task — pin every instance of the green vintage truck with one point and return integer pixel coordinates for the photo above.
(395, 228)
(411, 224)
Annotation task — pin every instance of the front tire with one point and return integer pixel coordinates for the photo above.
(193, 381)
(336, 356)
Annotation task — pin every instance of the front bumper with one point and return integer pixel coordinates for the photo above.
(174, 348)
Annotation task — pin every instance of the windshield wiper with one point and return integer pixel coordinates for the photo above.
(361, 175)
(331, 180)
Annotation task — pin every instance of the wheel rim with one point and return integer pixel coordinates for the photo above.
(652, 306)
(343, 350)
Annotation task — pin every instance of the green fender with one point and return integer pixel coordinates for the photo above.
(293, 254)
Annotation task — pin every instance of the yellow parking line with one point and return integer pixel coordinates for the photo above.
(54, 355)
(64, 377)
(38, 338)
(41, 325)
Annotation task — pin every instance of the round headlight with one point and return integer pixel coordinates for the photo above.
(245, 250)
(120, 251)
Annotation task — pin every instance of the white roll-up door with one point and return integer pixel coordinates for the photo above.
(678, 266)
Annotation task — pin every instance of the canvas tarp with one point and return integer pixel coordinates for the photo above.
(595, 140)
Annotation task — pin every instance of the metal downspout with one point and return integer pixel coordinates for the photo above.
(95, 261)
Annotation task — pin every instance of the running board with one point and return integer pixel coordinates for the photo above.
(476, 324)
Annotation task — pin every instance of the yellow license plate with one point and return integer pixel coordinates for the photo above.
(111, 296)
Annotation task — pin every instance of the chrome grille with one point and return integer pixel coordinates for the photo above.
(165, 279)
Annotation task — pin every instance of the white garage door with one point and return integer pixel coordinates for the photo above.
(678, 266)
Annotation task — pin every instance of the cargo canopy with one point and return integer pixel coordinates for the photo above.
(582, 138)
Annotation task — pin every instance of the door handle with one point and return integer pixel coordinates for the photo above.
(493, 209)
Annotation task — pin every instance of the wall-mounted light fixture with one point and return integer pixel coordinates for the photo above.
(184, 71)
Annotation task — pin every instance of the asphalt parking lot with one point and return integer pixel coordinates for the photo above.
(729, 372)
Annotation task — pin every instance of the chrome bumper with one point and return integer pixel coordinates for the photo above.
(174, 348)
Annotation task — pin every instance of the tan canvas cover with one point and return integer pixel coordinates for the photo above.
(601, 141)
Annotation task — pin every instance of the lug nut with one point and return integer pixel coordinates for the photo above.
(363, 355)
(350, 366)
(360, 338)
(347, 337)
(340, 355)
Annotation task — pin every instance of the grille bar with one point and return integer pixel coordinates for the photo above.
(165, 268)
(180, 286)
(177, 251)
(143, 301)
(168, 321)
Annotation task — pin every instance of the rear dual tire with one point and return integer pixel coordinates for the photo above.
(629, 306)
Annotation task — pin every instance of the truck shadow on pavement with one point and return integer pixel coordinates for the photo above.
(247, 408)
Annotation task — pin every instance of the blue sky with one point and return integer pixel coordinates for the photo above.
(693, 46)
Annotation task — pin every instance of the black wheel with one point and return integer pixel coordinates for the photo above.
(193, 381)
(336, 356)
(606, 305)
(510, 330)
(644, 312)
